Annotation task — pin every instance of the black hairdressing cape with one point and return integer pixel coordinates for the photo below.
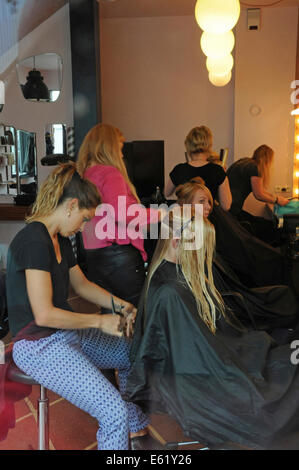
(256, 263)
(263, 308)
(235, 385)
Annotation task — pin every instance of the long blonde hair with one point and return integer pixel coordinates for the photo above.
(194, 264)
(185, 192)
(63, 183)
(101, 146)
(263, 156)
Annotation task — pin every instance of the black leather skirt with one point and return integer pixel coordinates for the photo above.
(118, 269)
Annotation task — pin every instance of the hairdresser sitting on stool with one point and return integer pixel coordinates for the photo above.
(60, 349)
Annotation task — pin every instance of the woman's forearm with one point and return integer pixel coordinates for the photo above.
(265, 197)
(63, 319)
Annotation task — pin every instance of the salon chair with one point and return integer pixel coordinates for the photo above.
(14, 374)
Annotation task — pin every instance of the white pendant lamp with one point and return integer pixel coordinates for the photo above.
(217, 16)
(221, 65)
(217, 45)
(220, 80)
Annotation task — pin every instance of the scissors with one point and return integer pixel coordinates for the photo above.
(114, 311)
(126, 329)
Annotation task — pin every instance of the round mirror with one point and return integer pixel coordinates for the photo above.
(40, 77)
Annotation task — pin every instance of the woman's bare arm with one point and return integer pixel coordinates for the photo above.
(40, 292)
(261, 194)
(225, 195)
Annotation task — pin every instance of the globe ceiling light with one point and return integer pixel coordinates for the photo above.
(217, 16)
(217, 45)
(220, 80)
(220, 66)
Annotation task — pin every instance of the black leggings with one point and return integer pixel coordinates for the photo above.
(118, 269)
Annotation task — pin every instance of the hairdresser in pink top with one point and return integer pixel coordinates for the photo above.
(113, 239)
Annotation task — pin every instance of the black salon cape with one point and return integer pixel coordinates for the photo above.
(265, 308)
(231, 386)
(256, 263)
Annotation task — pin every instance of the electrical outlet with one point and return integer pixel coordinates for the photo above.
(282, 189)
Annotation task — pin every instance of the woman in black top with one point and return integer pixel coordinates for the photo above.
(61, 349)
(198, 144)
(252, 175)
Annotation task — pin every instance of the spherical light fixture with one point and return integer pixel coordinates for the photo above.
(217, 45)
(217, 16)
(220, 80)
(220, 66)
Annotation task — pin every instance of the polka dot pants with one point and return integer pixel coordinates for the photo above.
(68, 363)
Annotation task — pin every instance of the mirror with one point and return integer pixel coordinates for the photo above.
(7, 160)
(59, 144)
(40, 77)
(55, 138)
(18, 164)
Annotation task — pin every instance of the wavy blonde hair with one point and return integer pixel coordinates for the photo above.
(263, 156)
(63, 183)
(101, 147)
(185, 192)
(199, 140)
(195, 265)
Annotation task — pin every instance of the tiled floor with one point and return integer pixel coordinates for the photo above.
(70, 427)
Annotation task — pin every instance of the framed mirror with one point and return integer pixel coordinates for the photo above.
(40, 77)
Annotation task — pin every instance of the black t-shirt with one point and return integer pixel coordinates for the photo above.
(212, 174)
(32, 248)
(239, 174)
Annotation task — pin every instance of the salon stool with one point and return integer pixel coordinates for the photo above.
(14, 374)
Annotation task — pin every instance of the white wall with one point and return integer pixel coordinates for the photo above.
(264, 69)
(155, 83)
(155, 86)
(53, 35)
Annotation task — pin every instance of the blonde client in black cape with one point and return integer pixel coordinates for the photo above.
(192, 359)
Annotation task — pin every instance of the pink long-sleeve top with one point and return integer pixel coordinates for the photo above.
(119, 219)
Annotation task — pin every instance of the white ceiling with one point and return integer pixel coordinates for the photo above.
(144, 8)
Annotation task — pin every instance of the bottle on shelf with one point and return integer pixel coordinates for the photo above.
(159, 198)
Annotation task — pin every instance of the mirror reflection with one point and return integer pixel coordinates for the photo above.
(55, 138)
(18, 164)
(40, 77)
